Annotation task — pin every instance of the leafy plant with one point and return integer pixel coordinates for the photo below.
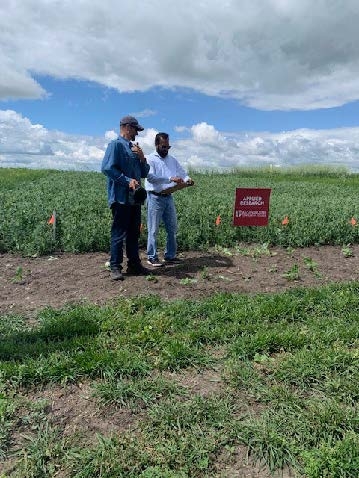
(18, 277)
(204, 273)
(312, 266)
(188, 281)
(347, 251)
(151, 278)
(292, 273)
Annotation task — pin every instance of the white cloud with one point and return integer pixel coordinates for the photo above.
(110, 135)
(270, 54)
(146, 140)
(23, 144)
(16, 82)
(205, 133)
(144, 114)
(335, 147)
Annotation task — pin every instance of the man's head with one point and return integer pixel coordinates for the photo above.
(129, 127)
(162, 144)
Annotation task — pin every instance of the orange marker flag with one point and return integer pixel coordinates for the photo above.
(51, 220)
(218, 221)
(285, 221)
(353, 221)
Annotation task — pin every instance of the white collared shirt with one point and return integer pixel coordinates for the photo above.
(161, 170)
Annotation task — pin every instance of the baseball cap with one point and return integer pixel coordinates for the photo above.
(131, 120)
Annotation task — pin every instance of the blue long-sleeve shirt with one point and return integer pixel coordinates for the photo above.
(120, 165)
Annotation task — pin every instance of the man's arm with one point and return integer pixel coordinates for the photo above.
(111, 164)
(145, 167)
(153, 176)
(181, 172)
(135, 148)
(181, 179)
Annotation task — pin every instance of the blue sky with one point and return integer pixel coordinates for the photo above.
(234, 83)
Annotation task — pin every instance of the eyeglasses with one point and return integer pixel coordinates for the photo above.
(165, 146)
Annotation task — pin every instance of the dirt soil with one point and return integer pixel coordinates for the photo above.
(30, 284)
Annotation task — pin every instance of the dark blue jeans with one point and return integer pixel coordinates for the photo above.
(125, 227)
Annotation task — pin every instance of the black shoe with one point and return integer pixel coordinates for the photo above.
(116, 274)
(138, 270)
(174, 260)
(155, 262)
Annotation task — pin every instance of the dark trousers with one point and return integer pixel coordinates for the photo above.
(125, 227)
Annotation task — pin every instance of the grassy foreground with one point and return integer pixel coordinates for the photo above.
(285, 370)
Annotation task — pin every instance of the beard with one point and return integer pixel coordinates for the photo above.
(162, 154)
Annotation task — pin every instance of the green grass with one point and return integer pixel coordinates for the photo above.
(11, 178)
(28, 198)
(286, 368)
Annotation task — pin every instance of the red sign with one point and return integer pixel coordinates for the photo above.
(251, 207)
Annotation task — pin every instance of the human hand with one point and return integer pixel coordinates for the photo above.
(137, 150)
(177, 180)
(133, 184)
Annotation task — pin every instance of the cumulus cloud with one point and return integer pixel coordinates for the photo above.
(335, 147)
(269, 54)
(205, 133)
(23, 144)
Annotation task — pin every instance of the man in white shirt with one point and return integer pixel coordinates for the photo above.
(165, 172)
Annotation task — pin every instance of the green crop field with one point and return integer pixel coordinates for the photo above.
(319, 204)
(277, 375)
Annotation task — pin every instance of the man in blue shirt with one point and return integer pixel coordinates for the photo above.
(124, 164)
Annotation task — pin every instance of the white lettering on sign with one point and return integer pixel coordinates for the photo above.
(252, 201)
(240, 213)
